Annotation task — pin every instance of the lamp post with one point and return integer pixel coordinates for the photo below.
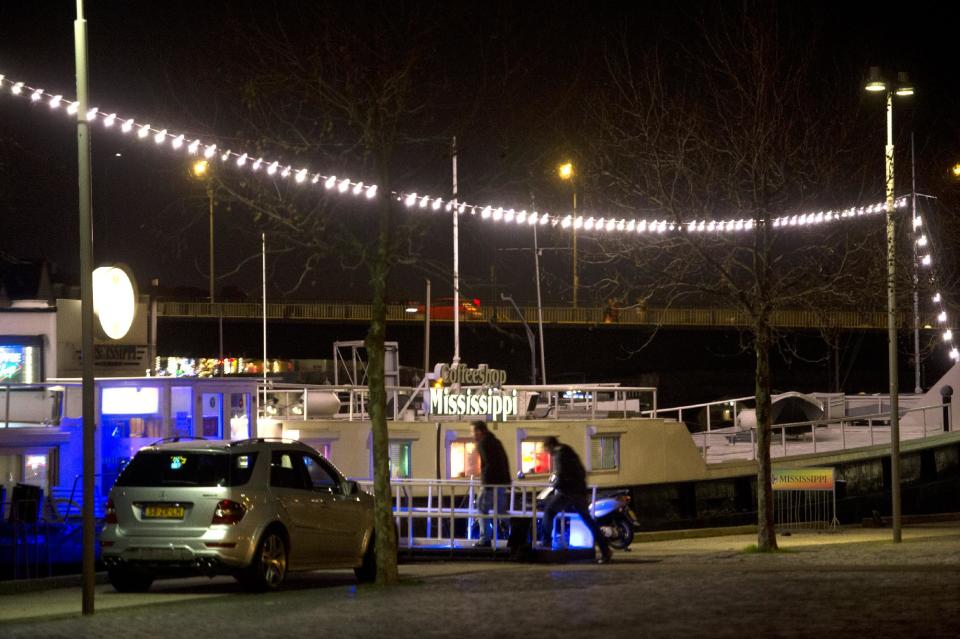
(88, 401)
(566, 173)
(876, 84)
(200, 170)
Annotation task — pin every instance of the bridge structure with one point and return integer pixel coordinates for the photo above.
(552, 315)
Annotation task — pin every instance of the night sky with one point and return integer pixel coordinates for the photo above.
(510, 80)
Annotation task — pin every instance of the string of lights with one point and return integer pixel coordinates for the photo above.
(345, 185)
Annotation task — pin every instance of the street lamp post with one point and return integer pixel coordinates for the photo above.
(876, 84)
(566, 172)
(201, 171)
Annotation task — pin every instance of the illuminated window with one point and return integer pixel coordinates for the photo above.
(130, 400)
(35, 470)
(464, 459)
(534, 458)
(605, 452)
(400, 466)
(239, 415)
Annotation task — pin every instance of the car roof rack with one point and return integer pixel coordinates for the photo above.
(262, 440)
(170, 440)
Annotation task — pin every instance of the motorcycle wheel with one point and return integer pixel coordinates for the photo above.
(624, 536)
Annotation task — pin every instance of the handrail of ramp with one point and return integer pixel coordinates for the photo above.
(442, 513)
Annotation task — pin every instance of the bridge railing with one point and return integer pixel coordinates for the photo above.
(629, 316)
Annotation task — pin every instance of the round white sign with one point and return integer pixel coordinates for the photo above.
(114, 300)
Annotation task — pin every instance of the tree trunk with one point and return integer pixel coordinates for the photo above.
(766, 534)
(386, 539)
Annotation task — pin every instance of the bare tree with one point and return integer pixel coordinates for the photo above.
(735, 127)
(348, 87)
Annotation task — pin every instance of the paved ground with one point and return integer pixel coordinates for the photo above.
(853, 582)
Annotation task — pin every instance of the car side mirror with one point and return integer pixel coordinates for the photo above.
(350, 487)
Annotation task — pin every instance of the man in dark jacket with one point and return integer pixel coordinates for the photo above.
(495, 476)
(570, 490)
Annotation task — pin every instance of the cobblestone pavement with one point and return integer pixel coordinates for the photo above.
(845, 584)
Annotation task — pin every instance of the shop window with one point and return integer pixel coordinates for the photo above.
(534, 458)
(400, 466)
(212, 404)
(239, 416)
(464, 459)
(605, 452)
(181, 410)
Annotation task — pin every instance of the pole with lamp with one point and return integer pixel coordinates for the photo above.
(566, 173)
(876, 84)
(88, 539)
(201, 170)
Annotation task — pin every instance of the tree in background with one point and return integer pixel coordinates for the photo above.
(737, 126)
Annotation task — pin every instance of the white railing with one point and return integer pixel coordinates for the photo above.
(824, 435)
(443, 512)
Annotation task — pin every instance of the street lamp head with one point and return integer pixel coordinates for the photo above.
(955, 170)
(565, 171)
(200, 169)
(875, 82)
(904, 86)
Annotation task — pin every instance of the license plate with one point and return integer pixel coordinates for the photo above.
(163, 512)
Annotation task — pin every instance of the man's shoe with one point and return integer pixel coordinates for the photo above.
(605, 557)
(483, 543)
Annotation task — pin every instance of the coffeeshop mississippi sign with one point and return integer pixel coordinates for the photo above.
(489, 399)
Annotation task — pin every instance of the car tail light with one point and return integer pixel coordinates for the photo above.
(110, 513)
(228, 512)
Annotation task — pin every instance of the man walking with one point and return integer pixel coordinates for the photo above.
(495, 477)
(570, 490)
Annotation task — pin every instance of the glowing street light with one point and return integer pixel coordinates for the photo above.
(876, 84)
(566, 173)
(201, 170)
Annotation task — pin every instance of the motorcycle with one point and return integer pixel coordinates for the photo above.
(614, 516)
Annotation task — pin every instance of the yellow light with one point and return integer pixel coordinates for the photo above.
(565, 171)
(956, 170)
(876, 86)
(200, 168)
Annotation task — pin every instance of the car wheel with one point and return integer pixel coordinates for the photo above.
(367, 571)
(129, 580)
(269, 567)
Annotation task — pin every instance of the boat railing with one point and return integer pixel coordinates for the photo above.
(298, 402)
(443, 512)
(824, 435)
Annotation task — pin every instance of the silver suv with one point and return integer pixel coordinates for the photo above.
(255, 509)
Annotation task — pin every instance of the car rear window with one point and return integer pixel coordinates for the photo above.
(187, 468)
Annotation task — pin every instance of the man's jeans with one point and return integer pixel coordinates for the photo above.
(486, 505)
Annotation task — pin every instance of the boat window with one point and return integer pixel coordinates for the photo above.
(605, 452)
(534, 458)
(400, 466)
(464, 459)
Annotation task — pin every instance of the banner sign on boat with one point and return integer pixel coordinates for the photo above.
(479, 376)
(469, 404)
(802, 479)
